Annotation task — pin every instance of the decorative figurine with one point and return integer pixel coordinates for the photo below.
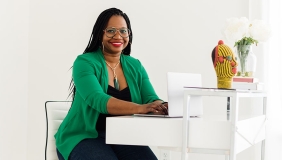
(224, 64)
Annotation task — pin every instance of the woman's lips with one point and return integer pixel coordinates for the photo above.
(116, 44)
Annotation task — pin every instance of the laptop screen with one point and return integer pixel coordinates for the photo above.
(175, 86)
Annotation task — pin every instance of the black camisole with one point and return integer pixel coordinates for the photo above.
(122, 95)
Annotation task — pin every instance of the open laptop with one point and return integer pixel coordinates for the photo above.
(175, 86)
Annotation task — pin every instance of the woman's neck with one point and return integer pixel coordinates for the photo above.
(112, 58)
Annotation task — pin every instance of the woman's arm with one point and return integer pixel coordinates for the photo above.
(120, 107)
(148, 93)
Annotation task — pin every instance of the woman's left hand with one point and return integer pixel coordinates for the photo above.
(165, 107)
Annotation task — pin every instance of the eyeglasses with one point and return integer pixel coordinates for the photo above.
(112, 31)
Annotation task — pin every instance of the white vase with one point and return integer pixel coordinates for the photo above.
(251, 64)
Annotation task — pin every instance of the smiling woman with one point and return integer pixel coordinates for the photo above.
(107, 81)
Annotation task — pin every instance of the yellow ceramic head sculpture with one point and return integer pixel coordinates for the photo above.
(224, 64)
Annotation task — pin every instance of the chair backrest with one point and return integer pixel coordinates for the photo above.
(55, 111)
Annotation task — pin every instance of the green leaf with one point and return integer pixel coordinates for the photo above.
(246, 41)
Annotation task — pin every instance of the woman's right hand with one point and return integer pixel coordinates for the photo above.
(154, 107)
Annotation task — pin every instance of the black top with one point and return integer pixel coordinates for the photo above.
(122, 95)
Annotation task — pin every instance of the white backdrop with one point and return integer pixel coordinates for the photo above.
(168, 36)
(14, 25)
(273, 14)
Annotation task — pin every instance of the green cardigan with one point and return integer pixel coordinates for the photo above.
(90, 77)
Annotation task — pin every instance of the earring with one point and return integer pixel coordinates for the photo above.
(103, 46)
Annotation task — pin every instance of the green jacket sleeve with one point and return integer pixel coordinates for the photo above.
(148, 93)
(88, 86)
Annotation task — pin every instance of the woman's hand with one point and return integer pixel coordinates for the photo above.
(165, 104)
(156, 107)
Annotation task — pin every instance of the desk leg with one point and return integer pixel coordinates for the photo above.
(226, 157)
(263, 142)
(185, 127)
(262, 149)
(228, 108)
(233, 118)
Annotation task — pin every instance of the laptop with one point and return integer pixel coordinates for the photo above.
(175, 86)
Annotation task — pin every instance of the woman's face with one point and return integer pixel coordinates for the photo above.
(114, 37)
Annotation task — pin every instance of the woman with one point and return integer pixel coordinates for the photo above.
(107, 82)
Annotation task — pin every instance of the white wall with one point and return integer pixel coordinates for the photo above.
(43, 38)
(14, 16)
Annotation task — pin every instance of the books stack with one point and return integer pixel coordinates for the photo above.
(247, 83)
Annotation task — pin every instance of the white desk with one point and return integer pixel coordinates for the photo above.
(195, 135)
(242, 134)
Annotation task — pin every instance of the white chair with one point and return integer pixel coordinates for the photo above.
(55, 111)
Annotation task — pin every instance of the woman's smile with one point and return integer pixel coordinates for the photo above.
(116, 44)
